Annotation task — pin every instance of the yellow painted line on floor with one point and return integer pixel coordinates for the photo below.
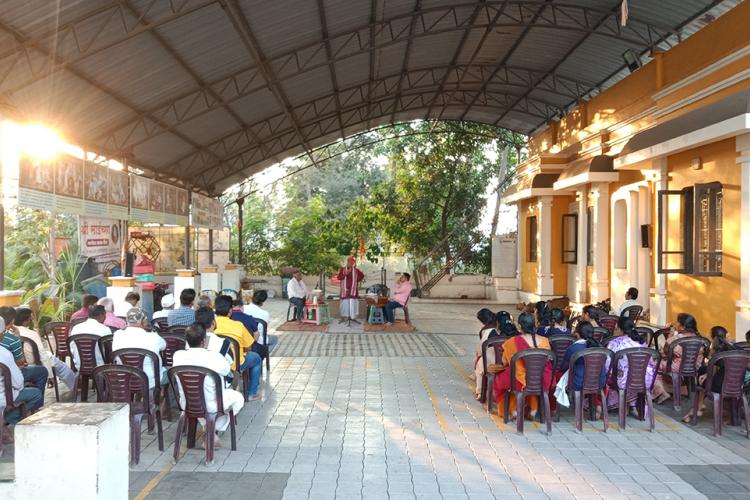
(433, 399)
(146, 491)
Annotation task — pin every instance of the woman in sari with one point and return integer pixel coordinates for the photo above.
(719, 343)
(627, 337)
(527, 339)
(559, 324)
(686, 326)
(487, 318)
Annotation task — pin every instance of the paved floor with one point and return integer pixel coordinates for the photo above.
(392, 416)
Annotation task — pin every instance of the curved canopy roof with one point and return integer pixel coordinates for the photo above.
(207, 92)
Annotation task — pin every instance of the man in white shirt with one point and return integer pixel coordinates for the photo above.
(297, 293)
(630, 300)
(136, 337)
(23, 319)
(94, 326)
(255, 309)
(167, 304)
(207, 318)
(198, 355)
(31, 395)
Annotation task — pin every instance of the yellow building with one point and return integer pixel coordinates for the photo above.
(648, 185)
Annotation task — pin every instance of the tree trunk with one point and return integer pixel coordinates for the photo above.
(444, 226)
(498, 194)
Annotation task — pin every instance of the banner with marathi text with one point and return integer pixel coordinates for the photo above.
(100, 238)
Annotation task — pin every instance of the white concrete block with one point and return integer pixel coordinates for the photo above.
(82, 449)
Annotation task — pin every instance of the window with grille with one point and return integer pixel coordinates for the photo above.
(569, 238)
(690, 230)
(531, 239)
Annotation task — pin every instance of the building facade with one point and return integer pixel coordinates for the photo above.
(648, 185)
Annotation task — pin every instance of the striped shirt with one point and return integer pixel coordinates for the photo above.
(182, 316)
(13, 344)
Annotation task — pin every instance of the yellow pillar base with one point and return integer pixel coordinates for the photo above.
(11, 298)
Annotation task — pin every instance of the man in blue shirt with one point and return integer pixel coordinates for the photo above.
(183, 315)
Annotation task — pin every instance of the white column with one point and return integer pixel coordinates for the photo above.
(581, 200)
(658, 299)
(743, 305)
(520, 248)
(545, 282)
(599, 286)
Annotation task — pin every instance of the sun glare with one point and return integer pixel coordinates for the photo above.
(38, 141)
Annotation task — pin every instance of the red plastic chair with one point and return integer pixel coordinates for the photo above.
(608, 321)
(632, 312)
(87, 345)
(594, 362)
(160, 325)
(496, 344)
(635, 384)
(60, 331)
(536, 362)
(735, 363)
(693, 348)
(125, 384)
(105, 346)
(653, 338)
(137, 358)
(267, 353)
(601, 334)
(559, 343)
(189, 381)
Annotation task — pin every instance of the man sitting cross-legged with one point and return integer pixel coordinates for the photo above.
(199, 355)
(11, 340)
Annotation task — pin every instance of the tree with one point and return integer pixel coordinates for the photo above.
(438, 189)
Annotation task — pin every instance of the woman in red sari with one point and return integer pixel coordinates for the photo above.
(527, 339)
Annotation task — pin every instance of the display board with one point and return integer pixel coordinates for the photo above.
(207, 212)
(72, 186)
(157, 202)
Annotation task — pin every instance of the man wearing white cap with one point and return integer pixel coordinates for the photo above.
(167, 304)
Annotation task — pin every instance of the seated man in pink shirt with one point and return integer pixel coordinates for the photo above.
(87, 301)
(399, 298)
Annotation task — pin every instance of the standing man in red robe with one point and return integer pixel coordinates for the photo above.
(350, 278)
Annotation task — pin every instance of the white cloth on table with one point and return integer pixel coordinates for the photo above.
(232, 399)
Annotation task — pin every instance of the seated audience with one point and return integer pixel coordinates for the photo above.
(11, 340)
(225, 325)
(626, 336)
(111, 320)
(87, 301)
(542, 315)
(255, 309)
(49, 360)
(167, 305)
(135, 336)
(399, 298)
(630, 300)
(488, 330)
(132, 299)
(719, 343)
(526, 340)
(93, 325)
(297, 293)
(32, 396)
(183, 315)
(207, 318)
(686, 326)
(199, 355)
(505, 326)
(585, 334)
(591, 314)
(558, 326)
(246, 320)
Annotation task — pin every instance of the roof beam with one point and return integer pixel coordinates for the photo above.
(241, 25)
(372, 50)
(407, 53)
(329, 57)
(186, 67)
(456, 54)
(562, 60)
(246, 82)
(100, 87)
(511, 51)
